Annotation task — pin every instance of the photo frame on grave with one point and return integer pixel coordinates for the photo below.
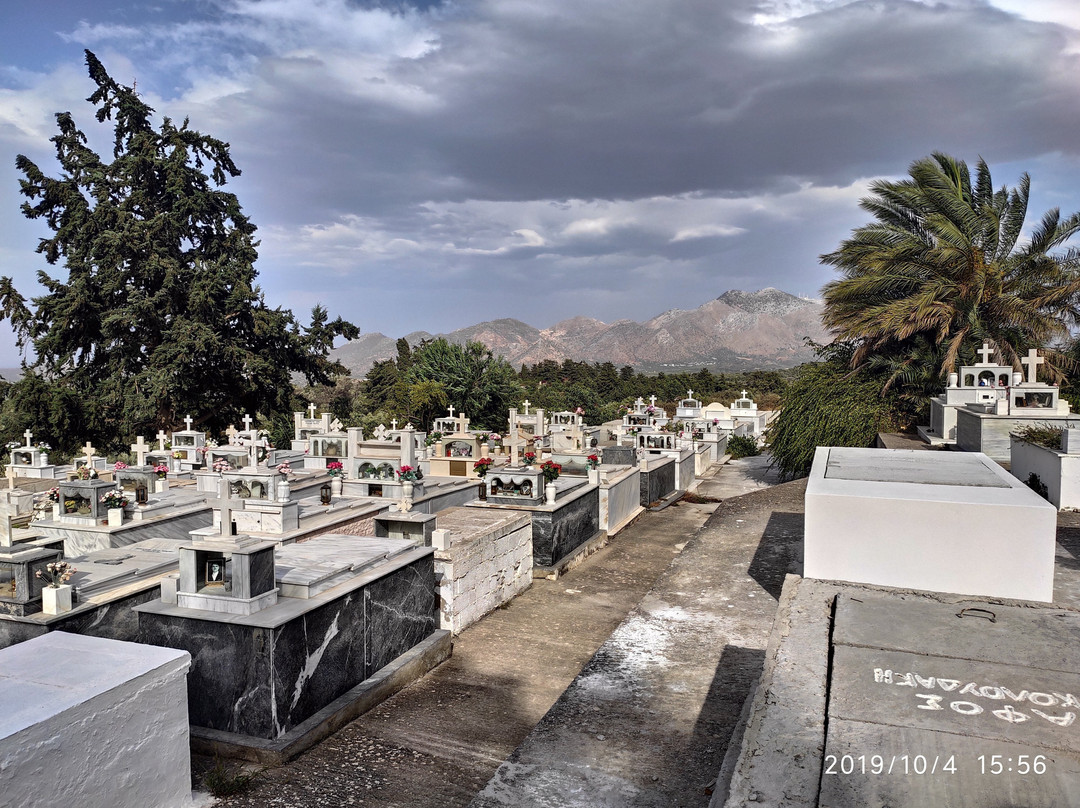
(329, 447)
(375, 491)
(496, 486)
(459, 448)
(1038, 400)
(8, 582)
(180, 441)
(217, 573)
(23, 458)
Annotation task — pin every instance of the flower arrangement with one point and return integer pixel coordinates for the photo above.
(335, 469)
(579, 411)
(13, 444)
(592, 461)
(56, 573)
(551, 470)
(178, 455)
(433, 438)
(53, 495)
(495, 439)
(42, 446)
(482, 466)
(86, 473)
(284, 469)
(161, 470)
(114, 499)
(222, 465)
(408, 473)
(528, 458)
(119, 465)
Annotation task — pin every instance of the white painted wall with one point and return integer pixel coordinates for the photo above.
(1059, 472)
(93, 723)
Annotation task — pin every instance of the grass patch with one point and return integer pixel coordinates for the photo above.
(222, 782)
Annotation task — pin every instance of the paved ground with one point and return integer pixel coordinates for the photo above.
(438, 742)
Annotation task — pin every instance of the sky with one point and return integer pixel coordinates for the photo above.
(426, 165)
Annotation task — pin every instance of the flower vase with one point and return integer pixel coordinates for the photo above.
(174, 464)
(161, 486)
(407, 487)
(284, 490)
(116, 517)
(594, 476)
(335, 486)
(549, 494)
(56, 599)
(56, 511)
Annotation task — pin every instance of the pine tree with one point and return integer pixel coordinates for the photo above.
(159, 315)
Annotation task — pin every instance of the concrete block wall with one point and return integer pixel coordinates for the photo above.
(483, 559)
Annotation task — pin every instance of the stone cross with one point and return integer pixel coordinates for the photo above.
(526, 404)
(451, 408)
(161, 438)
(247, 423)
(380, 432)
(225, 526)
(311, 410)
(1032, 360)
(652, 401)
(231, 433)
(689, 393)
(28, 435)
(985, 352)
(336, 425)
(140, 448)
(188, 422)
(393, 424)
(89, 451)
(10, 477)
(744, 394)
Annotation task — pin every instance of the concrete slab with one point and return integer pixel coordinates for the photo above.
(910, 466)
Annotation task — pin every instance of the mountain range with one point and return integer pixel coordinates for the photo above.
(737, 331)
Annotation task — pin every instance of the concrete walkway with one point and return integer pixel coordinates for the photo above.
(438, 742)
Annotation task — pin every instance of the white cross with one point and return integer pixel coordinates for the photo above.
(225, 526)
(393, 423)
(11, 476)
(161, 438)
(336, 425)
(652, 401)
(28, 435)
(231, 433)
(1032, 360)
(689, 393)
(744, 394)
(985, 352)
(311, 410)
(526, 403)
(89, 450)
(140, 448)
(188, 422)
(451, 408)
(247, 423)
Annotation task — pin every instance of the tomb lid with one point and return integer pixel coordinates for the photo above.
(105, 569)
(911, 466)
(956, 683)
(333, 554)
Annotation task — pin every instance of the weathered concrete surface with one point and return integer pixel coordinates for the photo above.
(437, 742)
(648, 720)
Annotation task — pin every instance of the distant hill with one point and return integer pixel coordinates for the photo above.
(737, 331)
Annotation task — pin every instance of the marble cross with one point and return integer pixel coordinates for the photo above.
(161, 438)
(188, 421)
(526, 404)
(336, 425)
(451, 408)
(652, 401)
(380, 432)
(1032, 360)
(985, 352)
(225, 526)
(311, 410)
(10, 477)
(140, 448)
(247, 422)
(28, 435)
(231, 433)
(89, 451)
(744, 394)
(393, 424)
(690, 394)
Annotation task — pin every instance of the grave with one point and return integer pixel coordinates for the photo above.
(1057, 469)
(870, 697)
(89, 721)
(304, 426)
(290, 635)
(933, 521)
(689, 408)
(253, 500)
(457, 451)
(525, 423)
(31, 460)
(371, 470)
(21, 557)
(188, 446)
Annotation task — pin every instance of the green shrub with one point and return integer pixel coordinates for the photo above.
(1040, 435)
(742, 446)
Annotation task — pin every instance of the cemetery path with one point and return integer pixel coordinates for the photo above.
(439, 741)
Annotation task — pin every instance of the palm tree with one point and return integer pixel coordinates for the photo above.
(942, 269)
